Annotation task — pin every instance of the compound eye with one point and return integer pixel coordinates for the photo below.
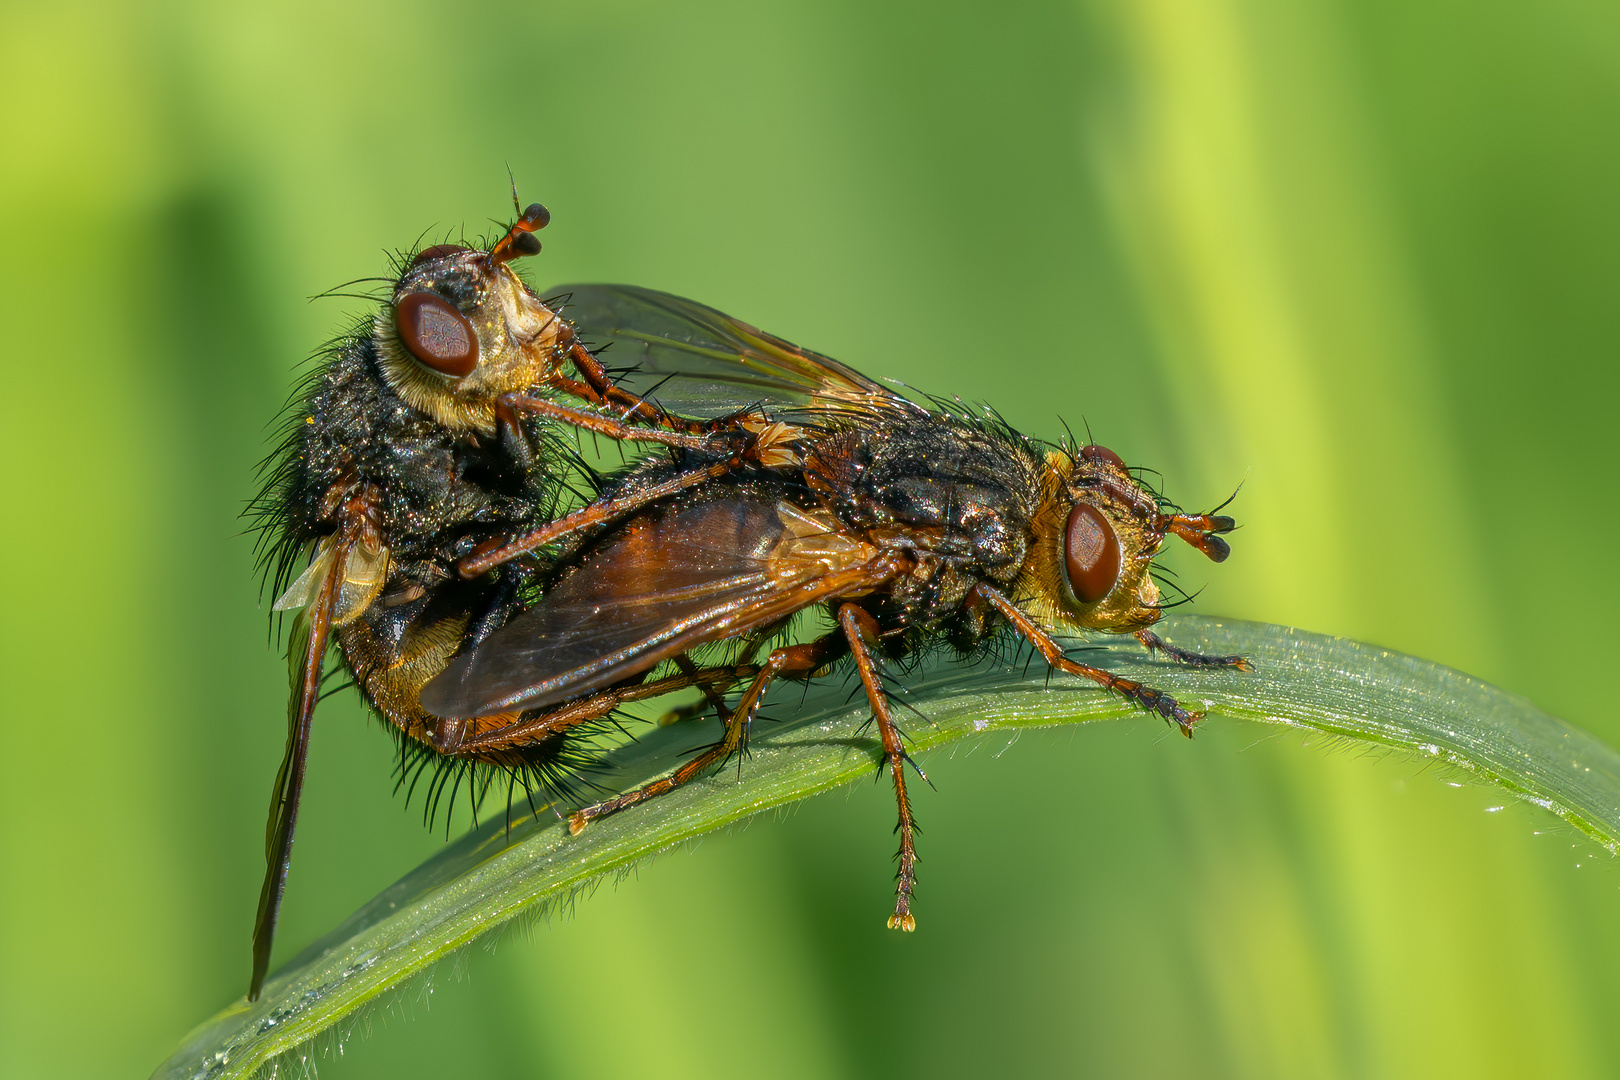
(1101, 453)
(437, 251)
(1090, 554)
(437, 334)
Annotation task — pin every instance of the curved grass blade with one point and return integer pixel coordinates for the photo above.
(1332, 685)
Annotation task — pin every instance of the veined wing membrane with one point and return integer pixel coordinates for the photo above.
(696, 361)
(665, 582)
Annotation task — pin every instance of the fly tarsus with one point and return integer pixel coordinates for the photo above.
(1157, 644)
(736, 735)
(1153, 701)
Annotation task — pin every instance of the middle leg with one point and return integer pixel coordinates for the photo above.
(453, 738)
(790, 661)
(862, 631)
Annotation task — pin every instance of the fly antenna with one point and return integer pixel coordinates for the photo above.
(520, 239)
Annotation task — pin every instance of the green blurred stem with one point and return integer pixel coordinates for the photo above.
(1331, 685)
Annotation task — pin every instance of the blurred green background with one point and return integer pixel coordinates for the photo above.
(1358, 256)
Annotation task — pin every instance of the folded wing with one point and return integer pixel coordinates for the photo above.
(664, 582)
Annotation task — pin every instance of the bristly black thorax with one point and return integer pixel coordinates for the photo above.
(439, 491)
(958, 492)
(965, 490)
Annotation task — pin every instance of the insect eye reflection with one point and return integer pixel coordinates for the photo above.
(1091, 554)
(437, 334)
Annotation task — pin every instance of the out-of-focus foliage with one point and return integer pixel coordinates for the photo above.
(1358, 256)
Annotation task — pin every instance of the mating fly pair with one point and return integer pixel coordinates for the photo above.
(431, 436)
(425, 478)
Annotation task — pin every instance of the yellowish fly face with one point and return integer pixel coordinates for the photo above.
(1096, 535)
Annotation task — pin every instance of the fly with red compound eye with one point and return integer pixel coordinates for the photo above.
(911, 527)
(430, 435)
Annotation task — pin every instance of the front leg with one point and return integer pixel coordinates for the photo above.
(1145, 697)
(496, 552)
(597, 387)
(517, 450)
(614, 427)
(1157, 644)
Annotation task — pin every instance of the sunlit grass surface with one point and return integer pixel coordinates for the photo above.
(1355, 256)
(1359, 697)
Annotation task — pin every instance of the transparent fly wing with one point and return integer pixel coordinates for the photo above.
(696, 361)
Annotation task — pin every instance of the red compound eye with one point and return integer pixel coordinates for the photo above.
(436, 334)
(1101, 453)
(437, 251)
(1090, 554)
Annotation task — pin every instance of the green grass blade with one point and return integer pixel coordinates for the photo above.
(1343, 688)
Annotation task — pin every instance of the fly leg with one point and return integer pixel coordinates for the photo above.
(1157, 644)
(862, 632)
(612, 426)
(789, 661)
(713, 695)
(1154, 701)
(534, 749)
(306, 660)
(452, 739)
(598, 513)
(768, 444)
(598, 387)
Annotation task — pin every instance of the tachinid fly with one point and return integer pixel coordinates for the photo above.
(912, 527)
(429, 436)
